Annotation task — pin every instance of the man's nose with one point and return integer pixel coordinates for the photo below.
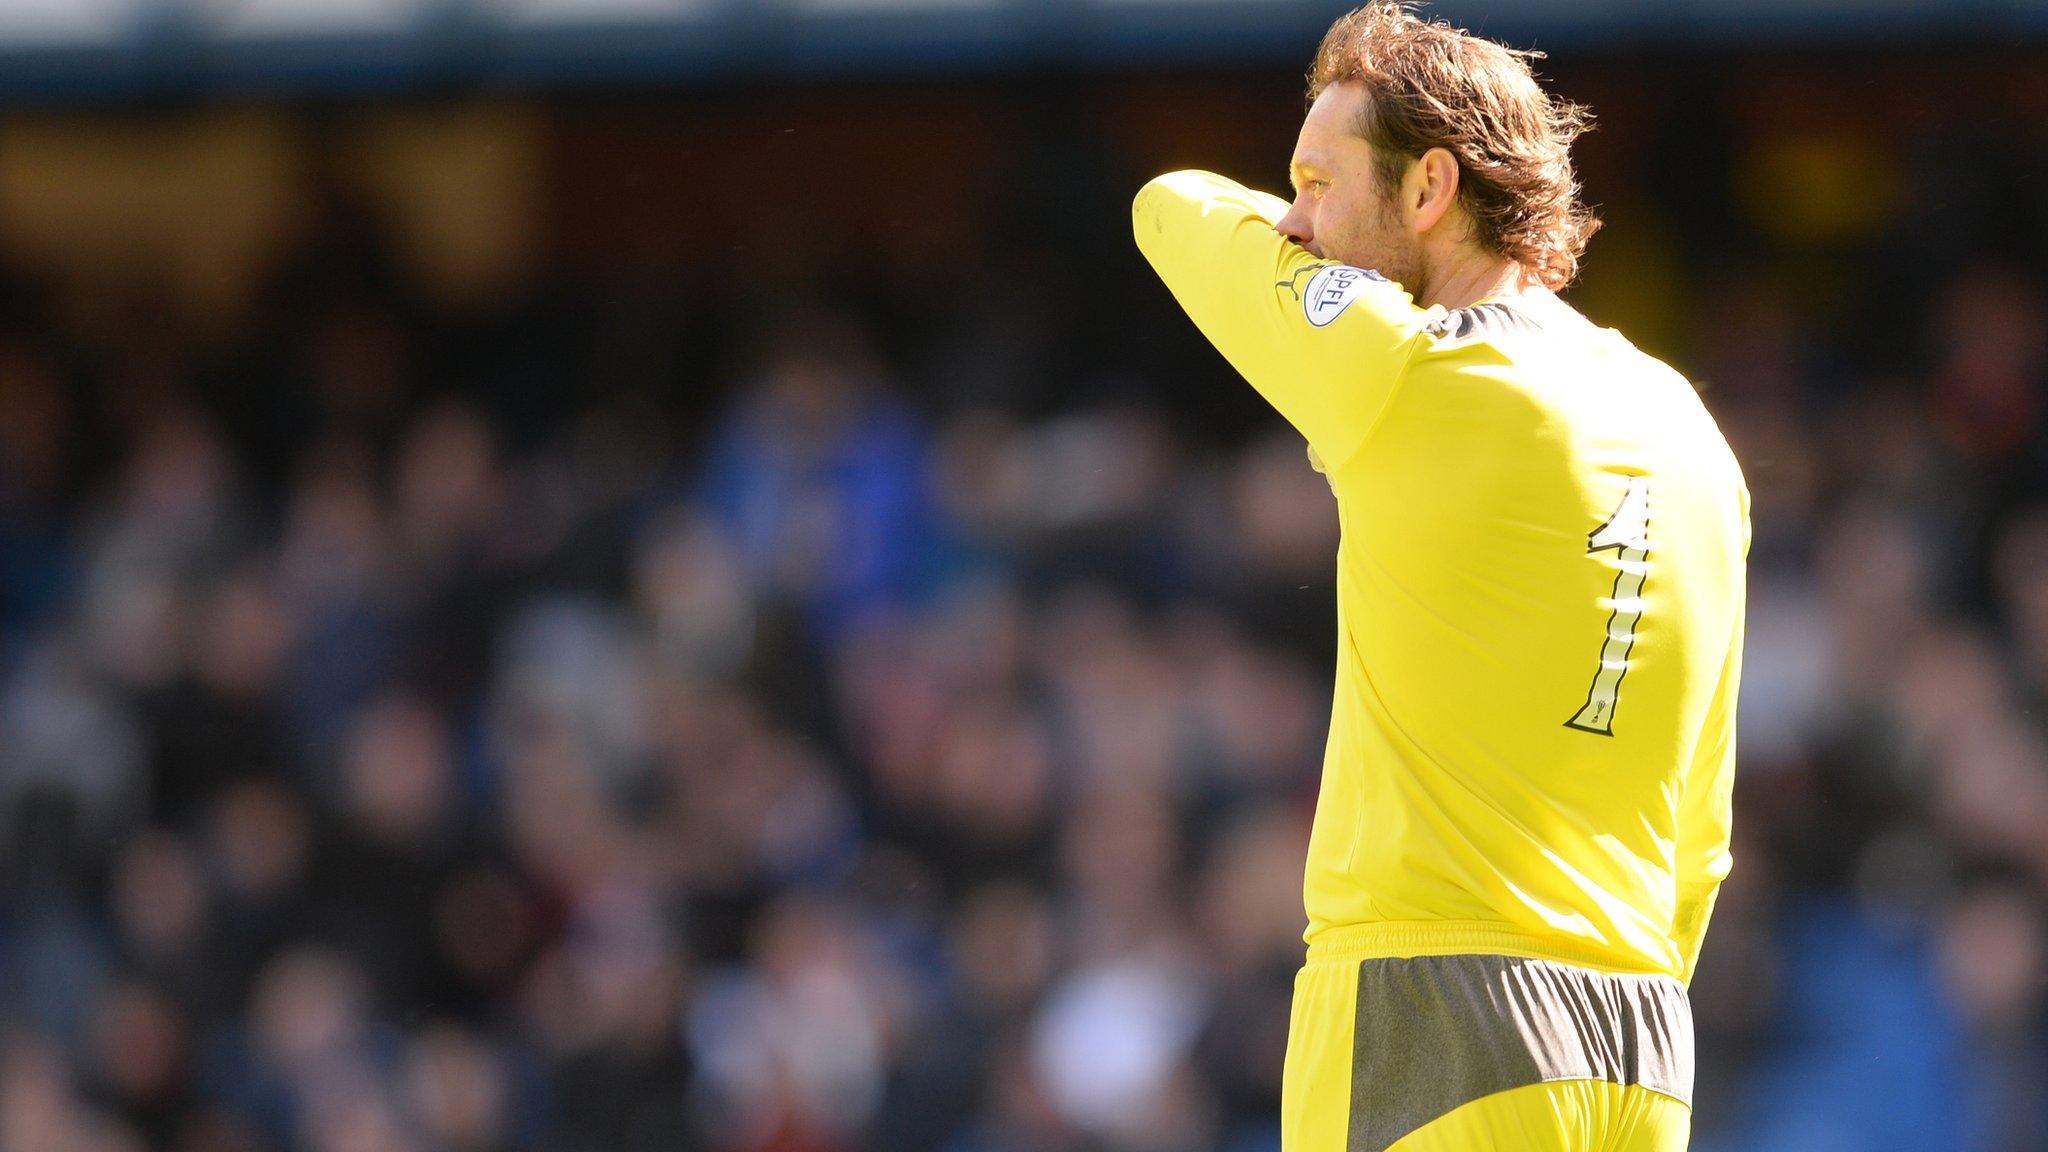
(1297, 225)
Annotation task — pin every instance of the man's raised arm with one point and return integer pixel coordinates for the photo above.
(1323, 342)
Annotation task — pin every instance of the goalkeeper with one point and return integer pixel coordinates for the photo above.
(1524, 813)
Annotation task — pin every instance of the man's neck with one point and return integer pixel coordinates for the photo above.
(1474, 276)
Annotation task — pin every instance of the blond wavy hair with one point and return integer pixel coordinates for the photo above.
(1431, 85)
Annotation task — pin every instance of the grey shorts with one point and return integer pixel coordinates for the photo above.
(1430, 1034)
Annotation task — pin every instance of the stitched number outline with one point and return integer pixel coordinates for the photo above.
(1627, 534)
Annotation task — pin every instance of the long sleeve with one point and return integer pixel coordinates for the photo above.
(1324, 343)
(1706, 808)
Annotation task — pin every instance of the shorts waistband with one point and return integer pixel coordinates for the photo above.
(1399, 938)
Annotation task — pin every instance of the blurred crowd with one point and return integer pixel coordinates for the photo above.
(405, 749)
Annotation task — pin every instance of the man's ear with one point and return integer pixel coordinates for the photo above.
(1431, 188)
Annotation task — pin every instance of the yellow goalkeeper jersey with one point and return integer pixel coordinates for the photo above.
(1540, 592)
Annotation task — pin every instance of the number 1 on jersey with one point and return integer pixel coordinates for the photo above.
(1626, 533)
